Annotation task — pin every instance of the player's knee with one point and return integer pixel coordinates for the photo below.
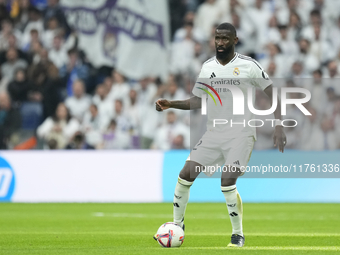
(228, 182)
(185, 175)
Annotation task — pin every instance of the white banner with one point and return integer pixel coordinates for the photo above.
(131, 35)
(81, 176)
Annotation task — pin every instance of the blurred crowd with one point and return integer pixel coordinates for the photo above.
(49, 86)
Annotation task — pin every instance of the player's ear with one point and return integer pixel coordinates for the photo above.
(236, 40)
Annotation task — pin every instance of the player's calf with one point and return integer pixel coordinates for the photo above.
(234, 205)
(182, 191)
(235, 208)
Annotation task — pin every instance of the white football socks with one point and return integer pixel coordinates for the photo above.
(234, 205)
(181, 199)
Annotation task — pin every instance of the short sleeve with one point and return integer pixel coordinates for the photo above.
(197, 90)
(260, 78)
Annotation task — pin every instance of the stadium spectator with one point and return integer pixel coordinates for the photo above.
(34, 38)
(295, 26)
(335, 32)
(13, 43)
(80, 102)
(6, 31)
(93, 126)
(19, 87)
(133, 109)
(120, 88)
(13, 62)
(101, 100)
(166, 134)
(181, 33)
(53, 28)
(288, 45)
(146, 92)
(21, 18)
(259, 16)
(52, 90)
(115, 139)
(54, 10)
(74, 69)
(245, 30)
(292, 6)
(37, 84)
(273, 54)
(321, 48)
(178, 143)
(34, 22)
(312, 137)
(59, 129)
(177, 10)
(309, 61)
(182, 52)
(78, 142)
(173, 92)
(208, 14)
(150, 120)
(197, 61)
(333, 77)
(124, 123)
(264, 134)
(273, 33)
(318, 92)
(58, 53)
(10, 120)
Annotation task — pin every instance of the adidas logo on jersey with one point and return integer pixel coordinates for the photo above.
(212, 75)
(236, 162)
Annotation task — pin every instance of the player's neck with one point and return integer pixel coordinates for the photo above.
(227, 59)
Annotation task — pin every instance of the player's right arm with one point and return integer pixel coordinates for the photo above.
(188, 104)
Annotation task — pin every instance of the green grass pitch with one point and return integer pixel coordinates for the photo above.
(128, 229)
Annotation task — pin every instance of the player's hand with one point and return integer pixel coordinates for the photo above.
(280, 139)
(162, 104)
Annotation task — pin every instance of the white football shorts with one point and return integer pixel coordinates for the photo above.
(214, 150)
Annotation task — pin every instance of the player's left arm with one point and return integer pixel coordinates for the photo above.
(280, 139)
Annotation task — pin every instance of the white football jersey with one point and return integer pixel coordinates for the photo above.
(243, 72)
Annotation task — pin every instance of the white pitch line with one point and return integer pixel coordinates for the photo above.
(212, 216)
(131, 215)
(287, 248)
(140, 233)
(273, 234)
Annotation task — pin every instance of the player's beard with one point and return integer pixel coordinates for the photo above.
(224, 54)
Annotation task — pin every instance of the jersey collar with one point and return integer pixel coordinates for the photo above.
(232, 60)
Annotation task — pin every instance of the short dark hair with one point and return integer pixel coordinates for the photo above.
(319, 71)
(227, 26)
(315, 12)
(282, 27)
(72, 51)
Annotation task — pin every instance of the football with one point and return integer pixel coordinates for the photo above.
(170, 235)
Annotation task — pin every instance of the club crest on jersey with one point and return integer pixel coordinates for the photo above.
(236, 71)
